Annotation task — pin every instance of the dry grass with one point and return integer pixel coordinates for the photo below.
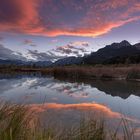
(118, 72)
(18, 123)
(97, 72)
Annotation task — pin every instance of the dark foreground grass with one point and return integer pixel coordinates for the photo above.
(19, 123)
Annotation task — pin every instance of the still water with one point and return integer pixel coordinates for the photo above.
(66, 100)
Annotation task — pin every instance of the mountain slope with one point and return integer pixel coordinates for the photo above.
(68, 61)
(115, 53)
(25, 63)
(122, 50)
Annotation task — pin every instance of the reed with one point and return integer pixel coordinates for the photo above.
(131, 72)
(19, 123)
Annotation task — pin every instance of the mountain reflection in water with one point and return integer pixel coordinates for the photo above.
(67, 99)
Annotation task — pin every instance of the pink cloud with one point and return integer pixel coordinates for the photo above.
(98, 109)
(25, 15)
(98, 18)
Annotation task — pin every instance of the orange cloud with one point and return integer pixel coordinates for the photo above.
(82, 106)
(99, 17)
(87, 32)
(97, 109)
(25, 15)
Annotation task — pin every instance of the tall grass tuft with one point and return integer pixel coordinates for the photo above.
(19, 123)
(15, 122)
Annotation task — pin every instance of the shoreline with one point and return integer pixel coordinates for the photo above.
(95, 73)
(131, 73)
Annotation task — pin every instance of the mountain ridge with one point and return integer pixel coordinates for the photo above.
(122, 49)
(115, 53)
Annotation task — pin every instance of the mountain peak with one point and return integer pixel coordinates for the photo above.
(137, 46)
(125, 43)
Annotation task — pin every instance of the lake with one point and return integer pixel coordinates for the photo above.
(66, 100)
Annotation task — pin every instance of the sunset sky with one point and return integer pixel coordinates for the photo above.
(57, 28)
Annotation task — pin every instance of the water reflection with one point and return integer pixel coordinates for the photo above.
(88, 107)
(120, 88)
(67, 99)
(68, 115)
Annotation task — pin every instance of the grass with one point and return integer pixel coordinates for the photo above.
(134, 74)
(117, 72)
(131, 72)
(19, 123)
(15, 122)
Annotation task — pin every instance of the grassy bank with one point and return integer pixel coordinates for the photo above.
(99, 72)
(131, 72)
(20, 123)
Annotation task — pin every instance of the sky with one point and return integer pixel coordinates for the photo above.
(53, 29)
